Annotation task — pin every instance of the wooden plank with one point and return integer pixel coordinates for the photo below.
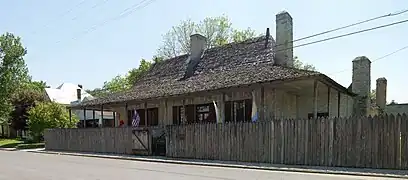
(299, 139)
(381, 139)
(287, 137)
(266, 141)
(224, 142)
(394, 139)
(316, 149)
(306, 144)
(246, 141)
(404, 141)
(273, 142)
(321, 141)
(253, 143)
(296, 125)
(278, 136)
(398, 142)
(342, 154)
(376, 142)
(367, 138)
(258, 141)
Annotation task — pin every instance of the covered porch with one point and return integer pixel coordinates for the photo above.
(297, 98)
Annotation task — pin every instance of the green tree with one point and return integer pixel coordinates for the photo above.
(97, 92)
(217, 30)
(23, 99)
(136, 73)
(123, 83)
(13, 72)
(300, 65)
(239, 36)
(117, 84)
(48, 115)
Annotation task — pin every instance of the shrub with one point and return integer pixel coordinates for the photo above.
(48, 115)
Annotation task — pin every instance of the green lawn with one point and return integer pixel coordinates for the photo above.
(19, 144)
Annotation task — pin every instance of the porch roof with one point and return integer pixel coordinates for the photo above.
(231, 65)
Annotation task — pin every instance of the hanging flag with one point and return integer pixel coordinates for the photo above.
(254, 114)
(135, 119)
(217, 113)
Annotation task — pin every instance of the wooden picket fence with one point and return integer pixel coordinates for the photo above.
(367, 142)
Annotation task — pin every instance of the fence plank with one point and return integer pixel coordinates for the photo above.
(369, 142)
(404, 142)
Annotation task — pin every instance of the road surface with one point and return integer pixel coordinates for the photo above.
(34, 166)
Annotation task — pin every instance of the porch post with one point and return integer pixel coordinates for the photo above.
(183, 117)
(262, 105)
(126, 114)
(145, 106)
(70, 114)
(297, 106)
(166, 119)
(84, 117)
(315, 94)
(338, 103)
(93, 115)
(222, 108)
(328, 100)
(102, 115)
(114, 118)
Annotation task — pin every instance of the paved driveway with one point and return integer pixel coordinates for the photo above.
(33, 166)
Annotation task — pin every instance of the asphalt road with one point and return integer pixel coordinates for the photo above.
(33, 166)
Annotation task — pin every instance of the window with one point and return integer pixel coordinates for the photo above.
(205, 113)
(153, 116)
(190, 114)
(141, 113)
(238, 111)
(177, 114)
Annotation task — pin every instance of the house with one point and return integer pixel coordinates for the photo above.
(381, 106)
(70, 94)
(236, 81)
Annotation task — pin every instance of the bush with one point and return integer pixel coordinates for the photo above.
(30, 146)
(48, 115)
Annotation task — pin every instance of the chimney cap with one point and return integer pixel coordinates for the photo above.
(382, 79)
(283, 13)
(361, 58)
(198, 36)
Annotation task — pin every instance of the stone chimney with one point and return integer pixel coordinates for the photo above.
(381, 92)
(197, 47)
(361, 85)
(79, 92)
(284, 38)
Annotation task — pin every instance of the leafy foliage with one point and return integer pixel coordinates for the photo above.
(300, 65)
(217, 30)
(135, 74)
(123, 83)
(25, 98)
(13, 72)
(49, 115)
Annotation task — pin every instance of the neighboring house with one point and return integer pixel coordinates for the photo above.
(233, 79)
(381, 100)
(70, 94)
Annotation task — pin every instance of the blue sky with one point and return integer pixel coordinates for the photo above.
(59, 51)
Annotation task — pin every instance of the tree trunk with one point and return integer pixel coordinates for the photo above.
(2, 131)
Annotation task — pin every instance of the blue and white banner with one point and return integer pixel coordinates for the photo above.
(135, 119)
(254, 114)
(217, 113)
